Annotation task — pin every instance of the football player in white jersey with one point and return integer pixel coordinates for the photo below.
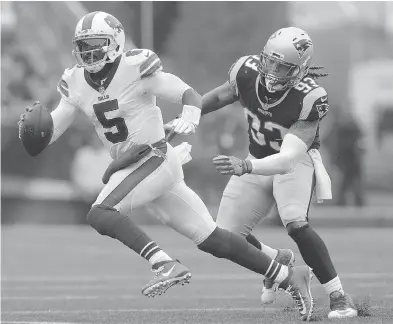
(117, 92)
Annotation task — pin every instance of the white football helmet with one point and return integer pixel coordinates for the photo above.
(285, 59)
(99, 39)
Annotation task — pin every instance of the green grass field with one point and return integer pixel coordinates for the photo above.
(66, 274)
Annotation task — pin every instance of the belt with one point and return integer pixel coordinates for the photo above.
(161, 145)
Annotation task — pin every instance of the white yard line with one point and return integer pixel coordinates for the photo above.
(206, 277)
(116, 286)
(61, 287)
(151, 310)
(28, 322)
(371, 284)
(143, 310)
(114, 297)
(117, 297)
(63, 297)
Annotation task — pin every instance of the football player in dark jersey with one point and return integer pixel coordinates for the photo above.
(283, 106)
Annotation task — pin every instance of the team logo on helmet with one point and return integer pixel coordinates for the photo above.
(114, 23)
(302, 45)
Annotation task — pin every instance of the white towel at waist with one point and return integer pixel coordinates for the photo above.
(323, 184)
(183, 151)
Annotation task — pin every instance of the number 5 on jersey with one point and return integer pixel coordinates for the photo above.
(122, 132)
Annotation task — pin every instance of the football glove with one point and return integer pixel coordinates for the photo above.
(231, 165)
(22, 118)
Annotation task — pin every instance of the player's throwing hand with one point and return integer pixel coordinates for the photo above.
(231, 165)
(22, 117)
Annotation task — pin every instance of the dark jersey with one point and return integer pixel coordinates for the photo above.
(270, 117)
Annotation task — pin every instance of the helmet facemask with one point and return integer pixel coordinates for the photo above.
(91, 51)
(276, 74)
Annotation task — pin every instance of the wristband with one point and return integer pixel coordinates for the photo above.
(191, 114)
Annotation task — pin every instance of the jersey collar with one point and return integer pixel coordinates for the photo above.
(101, 88)
(267, 106)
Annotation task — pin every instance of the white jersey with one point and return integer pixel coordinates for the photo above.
(123, 108)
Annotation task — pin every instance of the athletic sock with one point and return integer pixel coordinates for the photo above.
(153, 253)
(269, 251)
(277, 272)
(333, 285)
(263, 247)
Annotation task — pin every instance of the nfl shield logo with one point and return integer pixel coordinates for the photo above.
(101, 90)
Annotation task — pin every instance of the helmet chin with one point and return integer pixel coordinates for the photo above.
(273, 86)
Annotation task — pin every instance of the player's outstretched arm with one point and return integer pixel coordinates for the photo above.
(226, 94)
(296, 143)
(218, 98)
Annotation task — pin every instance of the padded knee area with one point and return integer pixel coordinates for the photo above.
(296, 229)
(217, 244)
(292, 214)
(100, 217)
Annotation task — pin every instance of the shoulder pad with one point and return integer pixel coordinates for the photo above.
(315, 105)
(145, 60)
(63, 86)
(234, 69)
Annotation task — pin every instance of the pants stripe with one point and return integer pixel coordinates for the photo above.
(312, 190)
(132, 180)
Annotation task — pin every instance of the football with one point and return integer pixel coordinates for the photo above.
(37, 130)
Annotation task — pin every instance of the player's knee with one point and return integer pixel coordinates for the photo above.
(297, 229)
(99, 218)
(217, 243)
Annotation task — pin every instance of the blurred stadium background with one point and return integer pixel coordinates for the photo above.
(48, 271)
(353, 40)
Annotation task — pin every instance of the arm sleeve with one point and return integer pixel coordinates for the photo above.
(305, 130)
(62, 116)
(166, 86)
(283, 162)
